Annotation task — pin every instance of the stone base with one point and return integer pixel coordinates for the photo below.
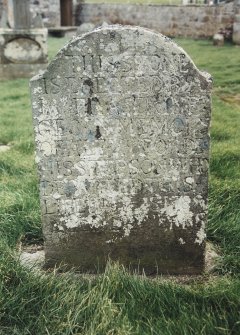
(34, 258)
(151, 252)
(23, 52)
(150, 265)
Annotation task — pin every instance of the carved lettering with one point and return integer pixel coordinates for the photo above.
(121, 122)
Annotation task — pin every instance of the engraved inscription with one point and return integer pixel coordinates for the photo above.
(121, 121)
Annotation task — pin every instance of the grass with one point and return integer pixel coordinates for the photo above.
(117, 303)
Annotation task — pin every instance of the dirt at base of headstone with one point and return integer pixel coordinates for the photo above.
(33, 257)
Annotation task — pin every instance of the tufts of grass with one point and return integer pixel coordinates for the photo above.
(224, 194)
(113, 303)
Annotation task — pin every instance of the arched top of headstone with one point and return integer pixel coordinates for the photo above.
(121, 120)
(128, 41)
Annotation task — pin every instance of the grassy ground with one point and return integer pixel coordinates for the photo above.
(117, 303)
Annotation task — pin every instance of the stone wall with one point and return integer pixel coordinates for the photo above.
(192, 20)
(50, 11)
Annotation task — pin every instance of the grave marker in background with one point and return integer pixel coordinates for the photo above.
(23, 51)
(21, 13)
(121, 121)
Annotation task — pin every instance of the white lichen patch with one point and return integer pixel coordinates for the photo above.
(189, 180)
(200, 201)
(126, 213)
(179, 212)
(201, 235)
(181, 241)
(47, 131)
(38, 90)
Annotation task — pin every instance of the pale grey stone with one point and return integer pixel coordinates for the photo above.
(236, 30)
(32, 260)
(85, 28)
(23, 52)
(37, 21)
(3, 19)
(121, 120)
(21, 14)
(10, 13)
(218, 39)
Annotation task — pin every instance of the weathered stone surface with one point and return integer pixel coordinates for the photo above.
(22, 52)
(21, 12)
(121, 121)
(218, 40)
(49, 10)
(236, 30)
(10, 13)
(192, 20)
(3, 14)
(85, 28)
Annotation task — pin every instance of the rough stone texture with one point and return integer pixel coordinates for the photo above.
(23, 52)
(121, 121)
(193, 20)
(50, 11)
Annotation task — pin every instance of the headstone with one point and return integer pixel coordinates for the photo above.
(23, 51)
(121, 121)
(218, 40)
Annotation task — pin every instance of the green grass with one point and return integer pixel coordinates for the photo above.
(117, 303)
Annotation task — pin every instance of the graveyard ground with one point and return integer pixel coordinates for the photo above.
(115, 302)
